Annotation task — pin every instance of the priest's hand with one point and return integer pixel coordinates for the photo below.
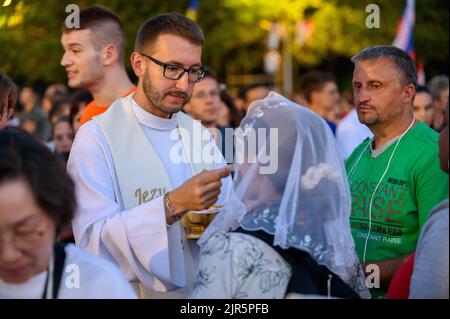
(199, 192)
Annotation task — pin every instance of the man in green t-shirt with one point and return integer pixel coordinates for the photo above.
(394, 177)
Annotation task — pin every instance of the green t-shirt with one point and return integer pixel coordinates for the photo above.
(412, 186)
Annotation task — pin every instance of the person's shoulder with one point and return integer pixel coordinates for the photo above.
(439, 213)
(343, 128)
(93, 264)
(421, 148)
(348, 119)
(89, 129)
(357, 151)
(425, 136)
(437, 224)
(425, 131)
(350, 124)
(101, 277)
(91, 110)
(89, 138)
(90, 106)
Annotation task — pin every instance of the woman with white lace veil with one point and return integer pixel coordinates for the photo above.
(287, 227)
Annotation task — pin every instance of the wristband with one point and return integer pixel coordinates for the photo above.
(170, 207)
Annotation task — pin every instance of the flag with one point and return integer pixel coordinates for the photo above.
(305, 30)
(192, 9)
(405, 30)
(405, 38)
(421, 80)
(273, 38)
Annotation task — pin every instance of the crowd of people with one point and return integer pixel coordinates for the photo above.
(100, 173)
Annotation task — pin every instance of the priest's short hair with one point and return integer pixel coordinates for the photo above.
(167, 23)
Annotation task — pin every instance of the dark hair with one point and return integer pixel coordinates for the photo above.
(422, 89)
(253, 86)
(168, 23)
(8, 92)
(314, 81)
(78, 97)
(438, 84)
(241, 93)
(81, 96)
(106, 28)
(58, 109)
(64, 118)
(400, 58)
(53, 91)
(23, 157)
(210, 73)
(235, 115)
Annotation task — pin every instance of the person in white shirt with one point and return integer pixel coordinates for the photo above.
(350, 133)
(37, 199)
(141, 165)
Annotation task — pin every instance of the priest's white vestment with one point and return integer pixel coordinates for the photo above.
(132, 231)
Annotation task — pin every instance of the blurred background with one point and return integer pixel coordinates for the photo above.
(247, 41)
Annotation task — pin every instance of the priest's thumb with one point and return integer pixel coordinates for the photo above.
(216, 174)
(224, 172)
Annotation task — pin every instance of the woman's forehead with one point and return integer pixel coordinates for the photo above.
(16, 196)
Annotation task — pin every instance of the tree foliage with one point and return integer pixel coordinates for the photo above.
(235, 30)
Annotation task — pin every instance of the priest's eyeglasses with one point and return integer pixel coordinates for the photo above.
(175, 72)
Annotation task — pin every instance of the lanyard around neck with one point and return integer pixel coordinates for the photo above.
(54, 273)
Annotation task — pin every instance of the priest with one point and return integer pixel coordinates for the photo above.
(141, 165)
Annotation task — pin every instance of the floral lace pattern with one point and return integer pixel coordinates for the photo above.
(265, 218)
(234, 265)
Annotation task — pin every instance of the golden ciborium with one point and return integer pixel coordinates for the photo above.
(195, 222)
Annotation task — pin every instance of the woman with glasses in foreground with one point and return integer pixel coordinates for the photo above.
(36, 201)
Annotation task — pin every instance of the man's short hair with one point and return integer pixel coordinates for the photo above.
(8, 92)
(314, 81)
(438, 84)
(167, 23)
(400, 58)
(105, 27)
(422, 89)
(256, 85)
(210, 73)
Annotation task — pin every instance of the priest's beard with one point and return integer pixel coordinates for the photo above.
(155, 97)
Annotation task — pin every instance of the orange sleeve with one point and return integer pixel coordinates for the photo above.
(93, 109)
(90, 111)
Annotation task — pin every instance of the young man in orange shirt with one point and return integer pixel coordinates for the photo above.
(94, 59)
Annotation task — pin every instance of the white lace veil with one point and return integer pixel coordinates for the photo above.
(309, 185)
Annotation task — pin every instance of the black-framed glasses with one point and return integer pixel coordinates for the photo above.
(175, 72)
